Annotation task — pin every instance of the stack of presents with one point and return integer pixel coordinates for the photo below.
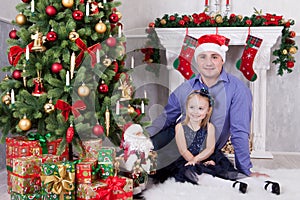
(35, 171)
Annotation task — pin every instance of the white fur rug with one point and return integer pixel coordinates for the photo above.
(289, 180)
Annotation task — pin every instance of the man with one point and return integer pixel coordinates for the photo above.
(232, 104)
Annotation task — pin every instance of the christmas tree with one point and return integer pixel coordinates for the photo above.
(67, 76)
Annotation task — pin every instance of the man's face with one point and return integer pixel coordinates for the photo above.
(209, 64)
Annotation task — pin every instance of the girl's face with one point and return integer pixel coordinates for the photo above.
(197, 108)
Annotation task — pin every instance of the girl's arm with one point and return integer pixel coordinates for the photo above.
(210, 144)
(181, 143)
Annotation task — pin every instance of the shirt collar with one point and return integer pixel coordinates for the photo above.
(223, 77)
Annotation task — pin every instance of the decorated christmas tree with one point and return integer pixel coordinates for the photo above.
(67, 76)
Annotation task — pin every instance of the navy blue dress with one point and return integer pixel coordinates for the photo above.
(196, 142)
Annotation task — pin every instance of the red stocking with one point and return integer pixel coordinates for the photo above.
(183, 62)
(245, 64)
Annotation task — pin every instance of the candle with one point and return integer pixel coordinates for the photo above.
(32, 6)
(12, 96)
(142, 107)
(68, 78)
(72, 67)
(104, 1)
(145, 94)
(118, 108)
(132, 62)
(27, 53)
(119, 31)
(227, 2)
(98, 55)
(206, 2)
(87, 9)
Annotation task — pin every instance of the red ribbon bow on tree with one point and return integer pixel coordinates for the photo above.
(91, 50)
(15, 53)
(66, 108)
(113, 189)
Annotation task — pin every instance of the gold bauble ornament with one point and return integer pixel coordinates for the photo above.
(219, 19)
(83, 90)
(284, 51)
(100, 27)
(6, 78)
(73, 35)
(107, 62)
(240, 17)
(6, 99)
(21, 19)
(67, 3)
(49, 107)
(130, 109)
(24, 124)
(119, 15)
(163, 21)
(293, 50)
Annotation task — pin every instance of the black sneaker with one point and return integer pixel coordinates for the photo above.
(275, 187)
(242, 187)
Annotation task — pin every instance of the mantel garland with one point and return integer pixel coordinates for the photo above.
(284, 54)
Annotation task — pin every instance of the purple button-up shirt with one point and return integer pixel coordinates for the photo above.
(231, 114)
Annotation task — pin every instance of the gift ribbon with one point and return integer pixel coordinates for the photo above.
(91, 50)
(41, 138)
(60, 184)
(15, 53)
(114, 184)
(66, 108)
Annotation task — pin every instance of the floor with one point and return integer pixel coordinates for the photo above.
(279, 161)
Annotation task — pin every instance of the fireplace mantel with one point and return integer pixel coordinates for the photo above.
(172, 39)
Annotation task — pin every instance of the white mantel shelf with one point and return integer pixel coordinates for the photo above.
(172, 40)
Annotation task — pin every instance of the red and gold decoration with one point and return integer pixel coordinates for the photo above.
(21, 19)
(51, 11)
(51, 36)
(107, 61)
(83, 90)
(6, 99)
(24, 124)
(98, 130)
(56, 67)
(100, 27)
(113, 18)
(84, 170)
(17, 74)
(73, 35)
(67, 3)
(15, 53)
(111, 41)
(78, 15)
(49, 107)
(38, 86)
(91, 50)
(13, 34)
(107, 121)
(38, 41)
(66, 108)
(70, 133)
(103, 88)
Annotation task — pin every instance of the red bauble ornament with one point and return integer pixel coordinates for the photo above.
(51, 11)
(51, 36)
(181, 22)
(172, 18)
(77, 15)
(290, 64)
(13, 34)
(116, 66)
(56, 67)
(138, 111)
(249, 22)
(26, 1)
(17, 74)
(151, 25)
(113, 18)
(70, 134)
(292, 34)
(111, 41)
(98, 130)
(103, 88)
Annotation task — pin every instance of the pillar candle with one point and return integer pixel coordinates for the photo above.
(87, 9)
(118, 108)
(12, 96)
(119, 31)
(27, 53)
(206, 2)
(98, 56)
(104, 1)
(145, 94)
(227, 2)
(68, 78)
(142, 107)
(32, 6)
(72, 65)
(132, 62)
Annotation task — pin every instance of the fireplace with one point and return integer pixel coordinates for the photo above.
(172, 40)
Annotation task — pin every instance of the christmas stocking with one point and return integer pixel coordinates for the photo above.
(245, 64)
(183, 62)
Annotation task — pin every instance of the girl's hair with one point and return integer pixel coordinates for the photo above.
(202, 93)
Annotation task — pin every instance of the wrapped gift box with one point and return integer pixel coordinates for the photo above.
(88, 191)
(106, 158)
(50, 158)
(84, 171)
(27, 165)
(17, 196)
(92, 147)
(53, 147)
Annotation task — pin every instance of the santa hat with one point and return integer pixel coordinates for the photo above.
(213, 42)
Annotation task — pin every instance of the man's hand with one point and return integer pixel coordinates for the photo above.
(257, 174)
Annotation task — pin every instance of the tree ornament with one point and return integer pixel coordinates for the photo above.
(100, 27)
(13, 34)
(111, 41)
(98, 130)
(115, 66)
(26, 1)
(107, 121)
(21, 19)
(6, 78)
(113, 18)
(103, 88)
(51, 36)
(67, 3)
(181, 22)
(107, 62)
(70, 134)
(73, 35)
(24, 124)
(39, 39)
(248, 22)
(6, 99)
(292, 34)
(17, 74)
(51, 11)
(138, 111)
(245, 64)
(130, 109)
(290, 64)
(284, 52)
(49, 107)
(38, 86)
(77, 15)
(151, 25)
(83, 90)
(56, 67)
(172, 18)
(119, 15)
(219, 19)
(292, 50)
(163, 21)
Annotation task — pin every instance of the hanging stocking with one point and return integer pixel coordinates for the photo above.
(245, 64)
(183, 62)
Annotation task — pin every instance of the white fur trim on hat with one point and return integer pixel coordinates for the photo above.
(221, 50)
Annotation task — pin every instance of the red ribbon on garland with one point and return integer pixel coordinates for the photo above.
(66, 108)
(272, 19)
(15, 53)
(113, 189)
(91, 50)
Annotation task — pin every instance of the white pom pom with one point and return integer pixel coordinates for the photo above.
(224, 48)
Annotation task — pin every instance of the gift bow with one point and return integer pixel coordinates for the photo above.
(15, 53)
(42, 139)
(113, 189)
(66, 108)
(61, 184)
(91, 50)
